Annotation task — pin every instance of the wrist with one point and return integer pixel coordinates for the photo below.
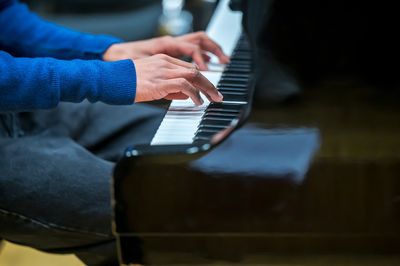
(113, 53)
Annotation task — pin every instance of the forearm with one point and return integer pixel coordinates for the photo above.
(41, 83)
(23, 33)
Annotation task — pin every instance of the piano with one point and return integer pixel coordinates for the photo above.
(345, 211)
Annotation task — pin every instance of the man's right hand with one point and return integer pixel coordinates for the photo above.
(163, 77)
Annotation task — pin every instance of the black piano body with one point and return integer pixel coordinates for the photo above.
(347, 210)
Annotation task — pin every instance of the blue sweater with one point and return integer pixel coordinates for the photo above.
(42, 64)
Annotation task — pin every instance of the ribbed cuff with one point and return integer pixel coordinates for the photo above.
(119, 83)
(95, 80)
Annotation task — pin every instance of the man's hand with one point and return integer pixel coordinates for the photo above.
(195, 45)
(161, 76)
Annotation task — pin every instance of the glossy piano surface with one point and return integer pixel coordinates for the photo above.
(347, 205)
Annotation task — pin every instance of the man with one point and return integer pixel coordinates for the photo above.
(56, 164)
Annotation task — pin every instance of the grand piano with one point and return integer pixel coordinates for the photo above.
(345, 208)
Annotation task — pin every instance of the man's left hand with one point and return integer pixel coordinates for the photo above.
(196, 45)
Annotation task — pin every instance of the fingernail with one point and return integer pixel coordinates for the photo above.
(220, 96)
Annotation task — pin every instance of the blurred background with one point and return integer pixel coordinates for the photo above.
(127, 19)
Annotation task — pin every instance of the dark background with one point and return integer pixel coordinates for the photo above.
(126, 19)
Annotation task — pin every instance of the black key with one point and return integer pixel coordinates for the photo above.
(222, 110)
(204, 135)
(241, 56)
(219, 115)
(235, 97)
(234, 75)
(234, 79)
(208, 129)
(241, 50)
(231, 111)
(230, 89)
(215, 127)
(215, 121)
(226, 106)
(234, 93)
(232, 85)
(233, 70)
(201, 138)
(241, 60)
(239, 65)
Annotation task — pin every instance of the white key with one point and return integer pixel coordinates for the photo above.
(183, 117)
(225, 27)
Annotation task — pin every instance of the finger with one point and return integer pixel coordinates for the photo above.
(195, 77)
(203, 84)
(192, 50)
(176, 96)
(181, 85)
(207, 44)
(206, 57)
(175, 61)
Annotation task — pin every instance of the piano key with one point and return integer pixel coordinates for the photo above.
(201, 138)
(239, 64)
(218, 118)
(235, 112)
(225, 84)
(233, 79)
(214, 67)
(232, 90)
(225, 28)
(184, 122)
(215, 127)
(220, 115)
(223, 111)
(204, 135)
(238, 55)
(213, 77)
(234, 97)
(225, 106)
(233, 70)
(208, 121)
(208, 130)
(241, 61)
(234, 75)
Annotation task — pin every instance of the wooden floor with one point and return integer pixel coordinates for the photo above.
(14, 255)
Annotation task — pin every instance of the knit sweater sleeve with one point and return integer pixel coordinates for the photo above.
(40, 83)
(22, 33)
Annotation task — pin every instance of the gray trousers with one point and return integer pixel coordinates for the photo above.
(55, 173)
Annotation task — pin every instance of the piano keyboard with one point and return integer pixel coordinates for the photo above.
(185, 123)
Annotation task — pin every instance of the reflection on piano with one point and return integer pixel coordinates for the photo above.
(166, 212)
